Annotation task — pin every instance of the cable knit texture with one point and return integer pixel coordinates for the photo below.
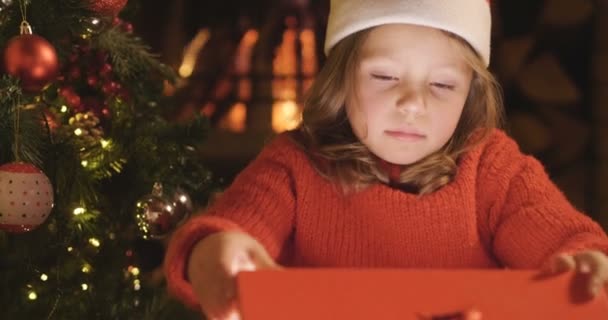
(501, 210)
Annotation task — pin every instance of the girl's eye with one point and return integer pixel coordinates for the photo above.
(384, 78)
(443, 86)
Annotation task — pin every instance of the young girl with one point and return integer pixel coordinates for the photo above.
(397, 163)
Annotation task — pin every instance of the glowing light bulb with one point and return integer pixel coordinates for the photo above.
(94, 242)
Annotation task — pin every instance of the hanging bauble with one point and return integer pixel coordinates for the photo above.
(32, 59)
(26, 197)
(156, 215)
(89, 26)
(107, 7)
(182, 204)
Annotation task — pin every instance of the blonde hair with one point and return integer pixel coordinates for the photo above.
(338, 155)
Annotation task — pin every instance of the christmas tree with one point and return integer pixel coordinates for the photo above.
(93, 176)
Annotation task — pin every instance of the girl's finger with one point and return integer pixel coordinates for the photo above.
(229, 312)
(560, 264)
(241, 262)
(223, 312)
(218, 297)
(595, 265)
(262, 259)
(233, 315)
(599, 280)
(595, 284)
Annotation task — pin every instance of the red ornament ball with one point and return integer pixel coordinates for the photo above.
(127, 27)
(66, 92)
(71, 97)
(155, 216)
(92, 80)
(158, 216)
(74, 73)
(76, 103)
(111, 87)
(32, 59)
(105, 71)
(107, 7)
(26, 197)
(116, 21)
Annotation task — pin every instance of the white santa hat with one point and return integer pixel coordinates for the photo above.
(469, 19)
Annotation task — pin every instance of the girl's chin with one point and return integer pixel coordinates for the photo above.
(400, 159)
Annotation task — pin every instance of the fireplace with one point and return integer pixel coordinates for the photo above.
(250, 79)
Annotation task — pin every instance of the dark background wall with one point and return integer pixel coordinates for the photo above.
(548, 55)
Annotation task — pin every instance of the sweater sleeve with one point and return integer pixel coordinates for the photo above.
(528, 218)
(260, 202)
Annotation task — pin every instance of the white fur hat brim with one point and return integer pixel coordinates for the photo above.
(468, 19)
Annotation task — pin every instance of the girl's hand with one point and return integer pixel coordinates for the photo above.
(591, 262)
(214, 263)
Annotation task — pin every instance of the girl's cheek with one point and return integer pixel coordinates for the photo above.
(358, 120)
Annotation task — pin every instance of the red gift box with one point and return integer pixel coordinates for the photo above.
(356, 294)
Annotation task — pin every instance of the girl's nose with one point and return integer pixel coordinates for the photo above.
(411, 102)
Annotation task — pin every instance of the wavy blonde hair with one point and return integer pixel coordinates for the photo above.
(338, 155)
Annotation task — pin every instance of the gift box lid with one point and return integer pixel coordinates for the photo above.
(355, 294)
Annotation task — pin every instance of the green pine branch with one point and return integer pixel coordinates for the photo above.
(96, 184)
(132, 59)
(25, 136)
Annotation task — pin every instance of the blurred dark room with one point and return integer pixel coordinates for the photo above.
(124, 120)
(246, 64)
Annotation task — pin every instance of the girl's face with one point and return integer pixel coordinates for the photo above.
(410, 88)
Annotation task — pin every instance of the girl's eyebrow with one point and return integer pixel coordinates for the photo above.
(375, 56)
(451, 70)
(378, 59)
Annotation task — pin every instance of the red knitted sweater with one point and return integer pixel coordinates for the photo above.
(501, 210)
